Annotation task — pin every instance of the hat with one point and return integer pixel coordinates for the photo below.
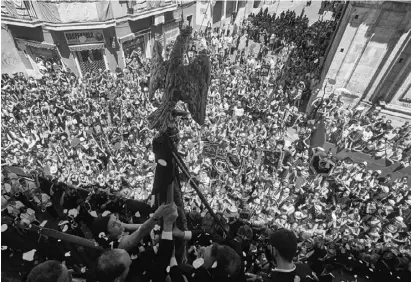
(298, 215)
(100, 225)
(285, 243)
(399, 218)
(391, 228)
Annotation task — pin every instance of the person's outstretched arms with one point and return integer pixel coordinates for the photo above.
(130, 241)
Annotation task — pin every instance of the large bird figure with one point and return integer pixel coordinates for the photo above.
(187, 83)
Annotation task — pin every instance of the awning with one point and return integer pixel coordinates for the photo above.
(36, 44)
(132, 36)
(83, 47)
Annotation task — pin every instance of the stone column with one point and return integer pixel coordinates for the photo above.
(224, 10)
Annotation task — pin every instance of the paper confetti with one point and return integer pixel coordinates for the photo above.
(93, 214)
(198, 262)
(29, 256)
(73, 213)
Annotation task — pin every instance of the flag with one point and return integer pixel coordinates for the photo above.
(318, 135)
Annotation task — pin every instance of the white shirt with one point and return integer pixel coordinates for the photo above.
(238, 112)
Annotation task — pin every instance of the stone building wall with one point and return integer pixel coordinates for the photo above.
(371, 54)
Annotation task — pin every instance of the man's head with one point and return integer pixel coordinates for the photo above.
(109, 224)
(228, 261)
(284, 243)
(113, 265)
(49, 271)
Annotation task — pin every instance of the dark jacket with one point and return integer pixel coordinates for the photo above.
(151, 266)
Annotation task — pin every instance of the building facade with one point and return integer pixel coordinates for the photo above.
(84, 35)
(371, 55)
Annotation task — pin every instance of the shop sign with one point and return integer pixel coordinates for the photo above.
(84, 37)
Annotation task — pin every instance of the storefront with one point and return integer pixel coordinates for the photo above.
(88, 48)
(136, 44)
(39, 54)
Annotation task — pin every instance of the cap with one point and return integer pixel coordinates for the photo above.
(100, 225)
(285, 243)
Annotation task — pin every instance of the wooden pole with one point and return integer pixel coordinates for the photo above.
(193, 184)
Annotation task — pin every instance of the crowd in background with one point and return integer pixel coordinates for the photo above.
(93, 131)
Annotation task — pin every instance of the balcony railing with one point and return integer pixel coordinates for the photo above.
(146, 5)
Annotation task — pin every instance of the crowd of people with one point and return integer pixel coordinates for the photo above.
(92, 131)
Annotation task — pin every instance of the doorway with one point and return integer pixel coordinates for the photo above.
(91, 60)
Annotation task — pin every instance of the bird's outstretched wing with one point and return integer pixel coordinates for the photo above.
(158, 69)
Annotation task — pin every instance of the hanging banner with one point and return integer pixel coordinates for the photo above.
(214, 150)
(265, 69)
(70, 11)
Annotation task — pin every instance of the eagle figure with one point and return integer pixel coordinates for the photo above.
(187, 83)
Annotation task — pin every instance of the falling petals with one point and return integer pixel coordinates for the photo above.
(63, 222)
(73, 213)
(29, 256)
(4, 227)
(93, 214)
(7, 187)
(67, 254)
(198, 263)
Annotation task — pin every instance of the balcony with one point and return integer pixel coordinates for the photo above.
(19, 11)
(57, 13)
(140, 6)
(60, 15)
